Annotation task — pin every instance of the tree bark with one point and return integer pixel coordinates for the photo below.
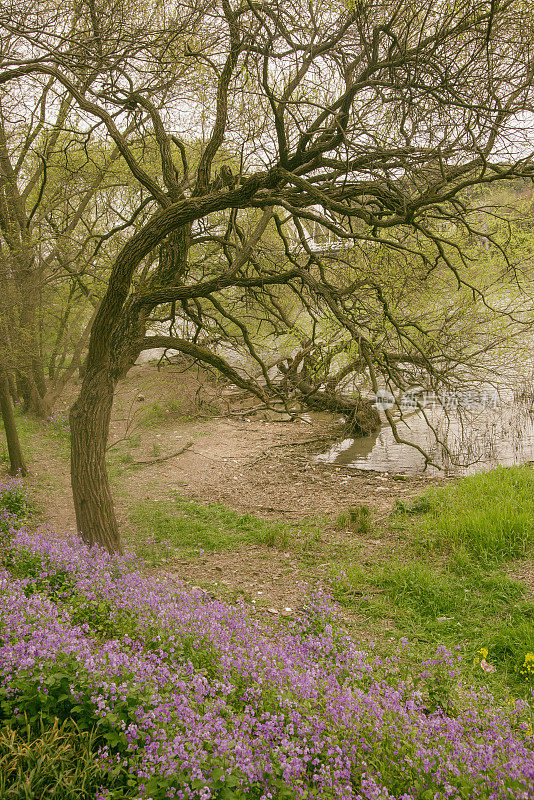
(110, 356)
(13, 390)
(89, 425)
(16, 458)
(33, 401)
(362, 416)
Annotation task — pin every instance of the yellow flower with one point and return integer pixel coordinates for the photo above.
(484, 653)
(527, 668)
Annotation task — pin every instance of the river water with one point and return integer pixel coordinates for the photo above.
(458, 441)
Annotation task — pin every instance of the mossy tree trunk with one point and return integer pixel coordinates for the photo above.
(16, 458)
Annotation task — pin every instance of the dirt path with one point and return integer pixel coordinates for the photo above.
(250, 464)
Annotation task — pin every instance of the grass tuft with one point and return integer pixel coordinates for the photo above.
(57, 762)
(187, 525)
(357, 518)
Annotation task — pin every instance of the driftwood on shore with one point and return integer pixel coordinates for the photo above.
(164, 458)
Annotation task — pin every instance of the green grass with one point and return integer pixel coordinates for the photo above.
(34, 433)
(432, 606)
(490, 515)
(357, 518)
(161, 413)
(449, 586)
(446, 584)
(16, 500)
(188, 525)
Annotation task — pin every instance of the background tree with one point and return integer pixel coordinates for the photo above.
(57, 181)
(372, 121)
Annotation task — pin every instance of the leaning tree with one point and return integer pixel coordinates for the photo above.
(244, 125)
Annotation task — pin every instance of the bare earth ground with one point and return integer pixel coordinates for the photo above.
(247, 463)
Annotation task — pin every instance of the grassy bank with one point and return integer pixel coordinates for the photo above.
(449, 571)
(450, 567)
(117, 683)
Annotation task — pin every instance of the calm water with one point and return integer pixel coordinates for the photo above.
(474, 440)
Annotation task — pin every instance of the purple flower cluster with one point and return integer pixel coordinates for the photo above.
(208, 701)
(59, 421)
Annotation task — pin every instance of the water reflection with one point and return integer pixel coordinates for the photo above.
(467, 441)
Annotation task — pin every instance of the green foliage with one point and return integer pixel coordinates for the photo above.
(51, 436)
(15, 499)
(100, 617)
(31, 703)
(510, 643)
(33, 569)
(37, 710)
(16, 507)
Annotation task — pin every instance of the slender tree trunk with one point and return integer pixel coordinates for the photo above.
(16, 459)
(26, 344)
(57, 386)
(38, 374)
(89, 425)
(31, 371)
(15, 397)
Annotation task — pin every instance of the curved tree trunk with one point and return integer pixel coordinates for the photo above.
(113, 349)
(16, 458)
(89, 424)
